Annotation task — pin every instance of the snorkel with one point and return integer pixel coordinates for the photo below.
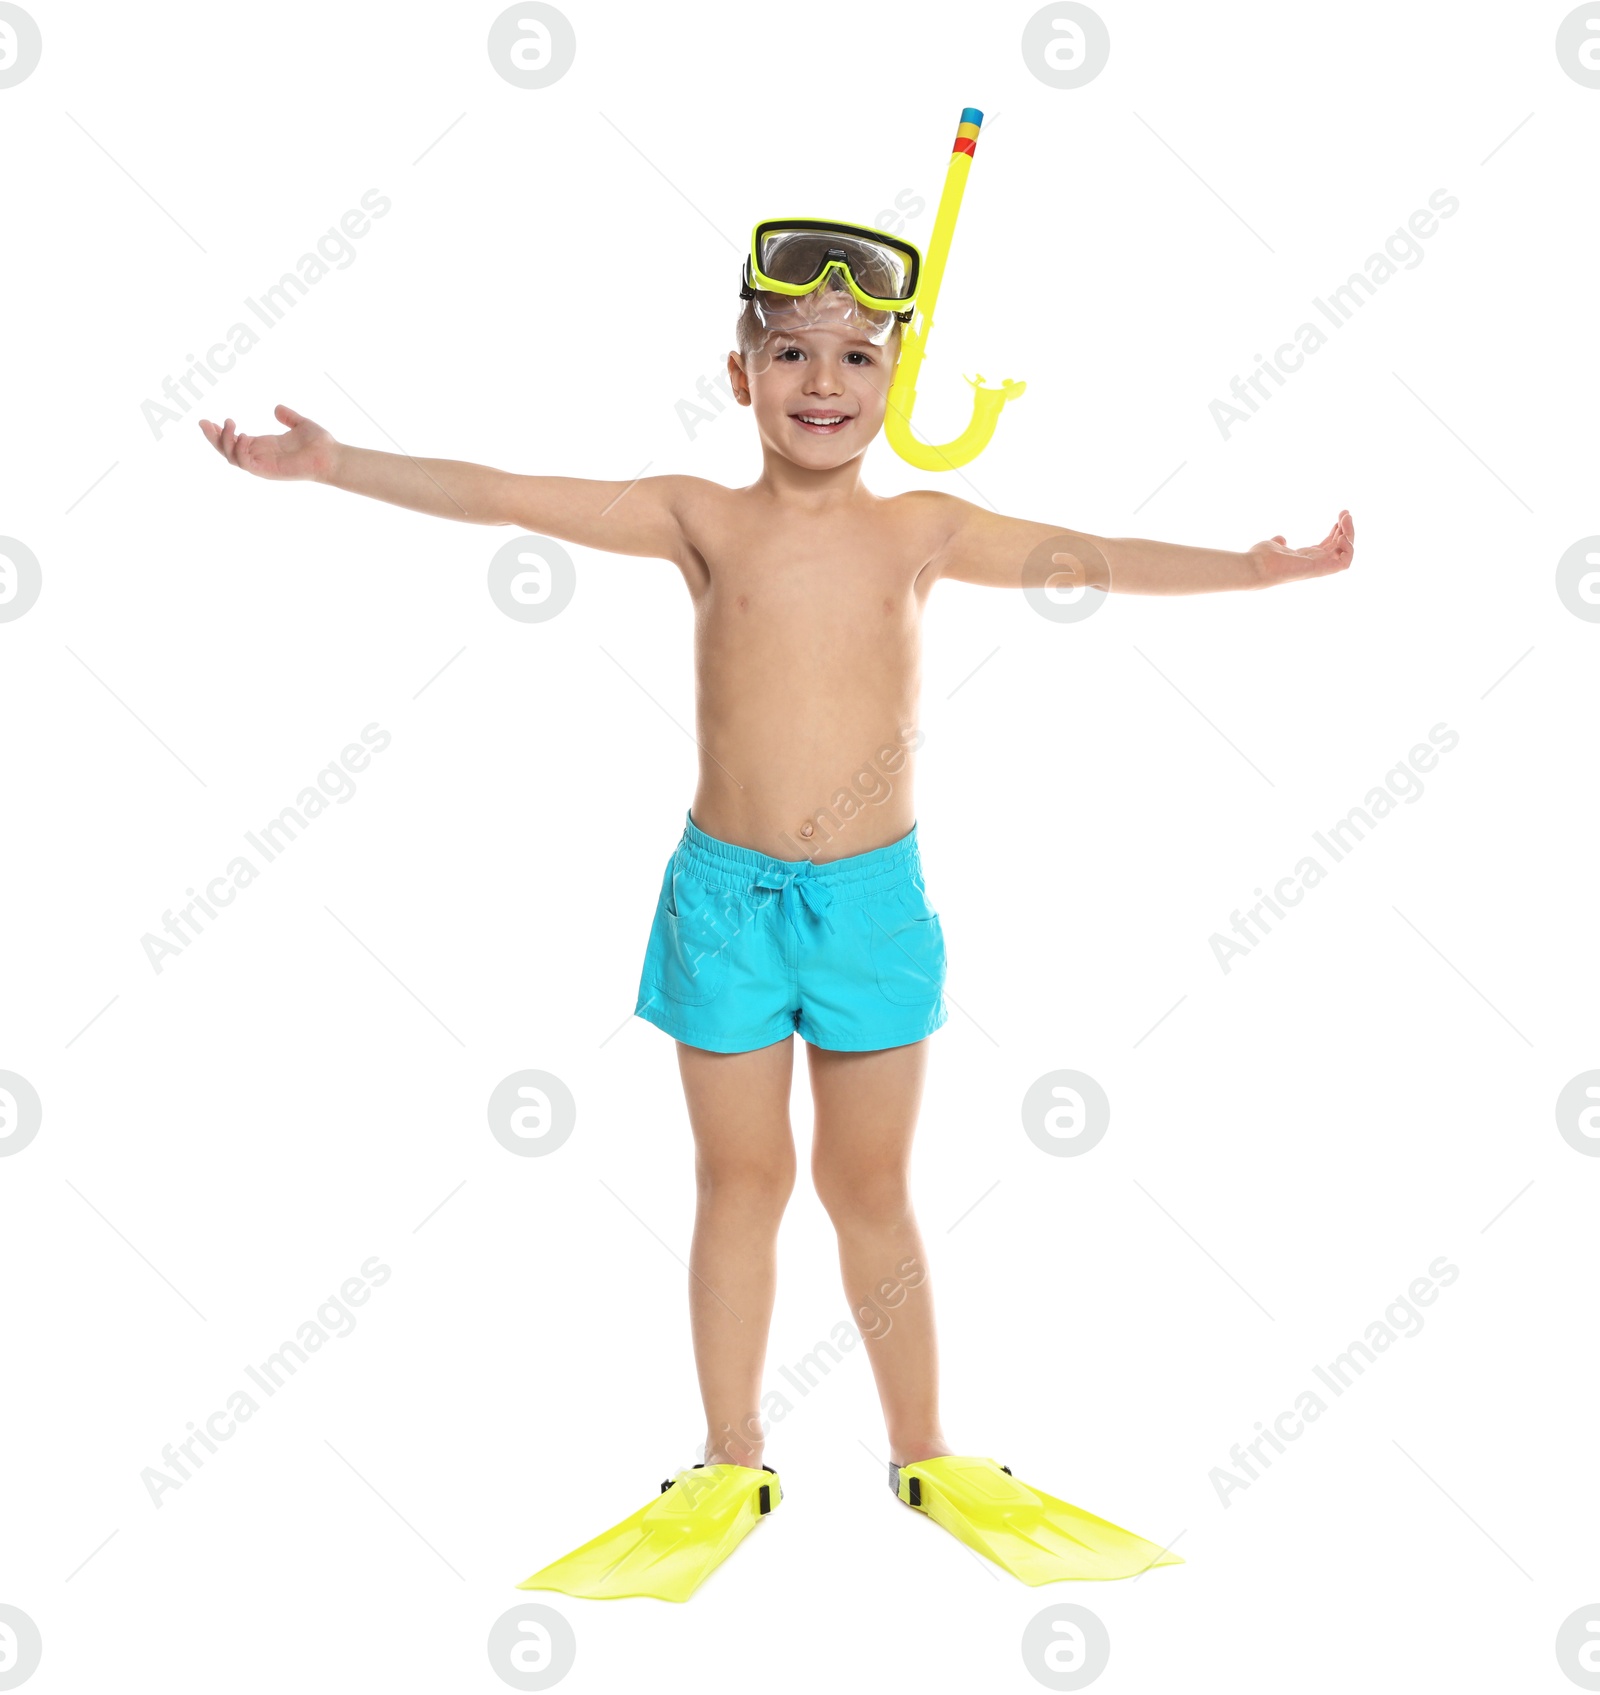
(986, 402)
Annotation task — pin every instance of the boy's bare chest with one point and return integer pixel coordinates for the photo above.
(846, 583)
(826, 615)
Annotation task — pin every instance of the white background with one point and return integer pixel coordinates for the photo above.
(306, 1085)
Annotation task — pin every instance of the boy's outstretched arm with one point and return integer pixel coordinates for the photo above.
(575, 509)
(988, 548)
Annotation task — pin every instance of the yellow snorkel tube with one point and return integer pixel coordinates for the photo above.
(986, 402)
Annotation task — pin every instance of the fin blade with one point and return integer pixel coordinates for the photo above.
(1033, 1535)
(670, 1546)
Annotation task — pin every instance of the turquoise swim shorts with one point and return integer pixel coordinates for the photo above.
(746, 949)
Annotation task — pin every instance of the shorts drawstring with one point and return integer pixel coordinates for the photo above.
(817, 896)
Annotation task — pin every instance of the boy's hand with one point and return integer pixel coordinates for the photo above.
(1279, 564)
(307, 452)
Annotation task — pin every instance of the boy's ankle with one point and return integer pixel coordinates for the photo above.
(910, 1451)
(734, 1453)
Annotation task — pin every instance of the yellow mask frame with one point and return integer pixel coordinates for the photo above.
(757, 278)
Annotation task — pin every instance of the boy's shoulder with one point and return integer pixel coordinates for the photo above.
(931, 513)
(685, 495)
(929, 503)
(675, 483)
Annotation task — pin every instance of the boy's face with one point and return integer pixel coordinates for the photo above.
(819, 392)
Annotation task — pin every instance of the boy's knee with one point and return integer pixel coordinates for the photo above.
(763, 1184)
(863, 1198)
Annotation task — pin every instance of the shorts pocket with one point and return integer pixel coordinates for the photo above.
(688, 947)
(908, 954)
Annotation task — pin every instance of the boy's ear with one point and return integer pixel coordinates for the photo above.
(738, 380)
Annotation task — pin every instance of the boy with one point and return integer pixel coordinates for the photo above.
(808, 595)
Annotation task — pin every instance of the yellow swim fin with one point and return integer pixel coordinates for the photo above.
(669, 1547)
(1027, 1532)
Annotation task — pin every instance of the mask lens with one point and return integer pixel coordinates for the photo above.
(800, 256)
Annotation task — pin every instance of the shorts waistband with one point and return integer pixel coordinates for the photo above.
(729, 866)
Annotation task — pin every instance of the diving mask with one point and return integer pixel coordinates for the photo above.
(793, 256)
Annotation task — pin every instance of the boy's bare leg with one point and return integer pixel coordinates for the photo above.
(744, 1171)
(866, 1111)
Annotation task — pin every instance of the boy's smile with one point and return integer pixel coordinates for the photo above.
(821, 423)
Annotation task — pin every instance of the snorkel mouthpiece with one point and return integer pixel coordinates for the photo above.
(986, 402)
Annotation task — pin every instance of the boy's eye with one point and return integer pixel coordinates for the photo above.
(865, 358)
(797, 352)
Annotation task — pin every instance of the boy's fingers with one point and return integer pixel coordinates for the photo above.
(288, 415)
